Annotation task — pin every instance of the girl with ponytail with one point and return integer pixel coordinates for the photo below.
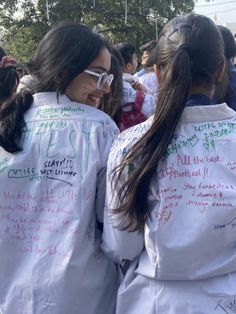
(53, 155)
(171, 201)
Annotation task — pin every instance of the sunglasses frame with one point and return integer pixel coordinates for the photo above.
(108, 80)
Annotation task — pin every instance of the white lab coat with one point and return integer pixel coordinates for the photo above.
(129, 96)
(149, 80)
(51, 200)
(185, 260)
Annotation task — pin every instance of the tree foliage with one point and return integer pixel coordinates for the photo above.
(25, 23)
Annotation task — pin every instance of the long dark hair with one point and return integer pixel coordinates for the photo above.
(190, 51)
(127, 51)
(64, 52)
(112, 102)
(8, 80)
(224, 91)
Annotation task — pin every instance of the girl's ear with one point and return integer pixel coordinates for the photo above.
(158, 73)
(220, 72)
(129, 66)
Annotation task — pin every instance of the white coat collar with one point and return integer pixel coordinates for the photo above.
(50, 98)
(197, 114)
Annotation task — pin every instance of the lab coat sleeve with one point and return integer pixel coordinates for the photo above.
(118, 245)
(108, 134)
(149, 105)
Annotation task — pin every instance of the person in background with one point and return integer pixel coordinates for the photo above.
(146, 51)
(138, 105)
(130, 61)
(111, 103)
(148, 78)
(226, 89)
(9, 78)
(53, 155)
(171, 191)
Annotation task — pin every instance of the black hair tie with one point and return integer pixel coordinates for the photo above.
(185, 47)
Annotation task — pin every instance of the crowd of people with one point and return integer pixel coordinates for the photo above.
(118, 184)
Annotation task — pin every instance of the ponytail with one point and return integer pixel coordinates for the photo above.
(190, 54)
(12, 120)
(150, 149)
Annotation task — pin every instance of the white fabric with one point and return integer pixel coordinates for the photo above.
(185, 261)
(127, 77)
(149, 80)
(51, 199)
(26, 83)
(129, 95)
(140, 73)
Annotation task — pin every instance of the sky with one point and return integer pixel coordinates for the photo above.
(224, 11)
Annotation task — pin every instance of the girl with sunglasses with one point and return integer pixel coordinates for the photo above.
(111, 102)
(53, 155)
(171, 185)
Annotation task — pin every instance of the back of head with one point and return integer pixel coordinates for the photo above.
(149, 51)
(66, 51)
(190, 54)
(229, 43)
(196, 39)
(127, 51)
(149, 46)
(190, 57)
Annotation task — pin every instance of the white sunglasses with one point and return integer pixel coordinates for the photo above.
(103, 78)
